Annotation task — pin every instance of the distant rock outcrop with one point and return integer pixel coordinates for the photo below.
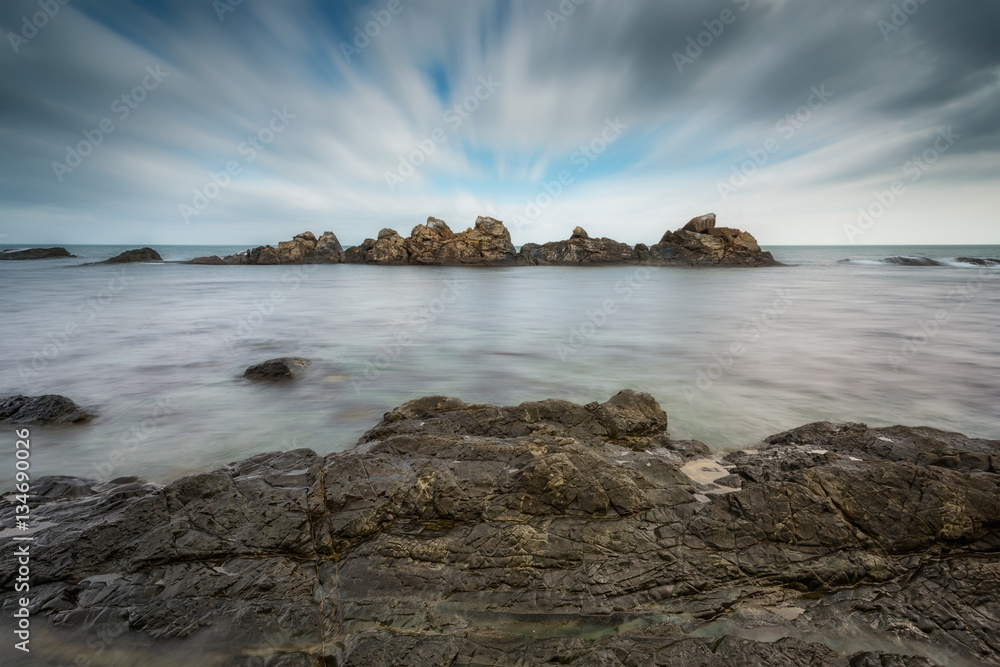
(131, 256)
(35, 253)
(579, 249)
(488, 243)
(47, 409)
(701, 243)
(305, 248)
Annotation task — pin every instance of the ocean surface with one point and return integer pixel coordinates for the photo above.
(157, 351)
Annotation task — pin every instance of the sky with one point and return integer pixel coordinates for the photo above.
(247, 122)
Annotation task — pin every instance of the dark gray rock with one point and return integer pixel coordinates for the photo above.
(212, 260)
(911, 261)
(47, 409)
(283, 368)
(579, 249)
(978, 261)
(701, 224)
(35, 253)
(130, 256)
(539, 534)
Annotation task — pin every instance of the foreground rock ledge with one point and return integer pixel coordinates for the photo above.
(546, 533)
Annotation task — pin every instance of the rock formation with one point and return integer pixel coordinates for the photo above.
(35, 253)
(284, 368)
(47, 409)
(978, 261)
(579, 249)
(131, 256)
(700, 243)
(305, 248)
(488, 243)
(543, 533)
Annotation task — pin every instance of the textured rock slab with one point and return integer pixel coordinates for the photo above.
(543, 533)
(47, 409)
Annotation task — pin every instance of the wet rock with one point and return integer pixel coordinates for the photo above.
(212, 260)
(131, 256)
(911, 261)
(978, 261)
(47, 409)
(542, 533)
(35, 253)
(284, 368)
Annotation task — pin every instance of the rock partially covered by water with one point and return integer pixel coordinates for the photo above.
(700, 243)
(904, 260)
(47, 409)
(979, 261)
(35, 253)
(132, 256)
(543, 533)
(283, 368)
(579, 249)
(488, 243)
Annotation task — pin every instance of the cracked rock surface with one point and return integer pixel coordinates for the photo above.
(540, 534)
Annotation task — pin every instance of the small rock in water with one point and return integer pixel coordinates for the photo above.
(283, 368)
(47, 409)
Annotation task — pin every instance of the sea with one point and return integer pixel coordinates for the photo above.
(158, 351)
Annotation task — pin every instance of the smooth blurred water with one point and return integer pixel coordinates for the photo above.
(159, 349)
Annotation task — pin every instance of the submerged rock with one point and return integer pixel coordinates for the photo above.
(543, 533)
(283, 368)
(979, 261)
(35, 253)
(47, 409)
(911, 261)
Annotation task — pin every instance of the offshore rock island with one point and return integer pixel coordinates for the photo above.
(539, 534)
(488, 243)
